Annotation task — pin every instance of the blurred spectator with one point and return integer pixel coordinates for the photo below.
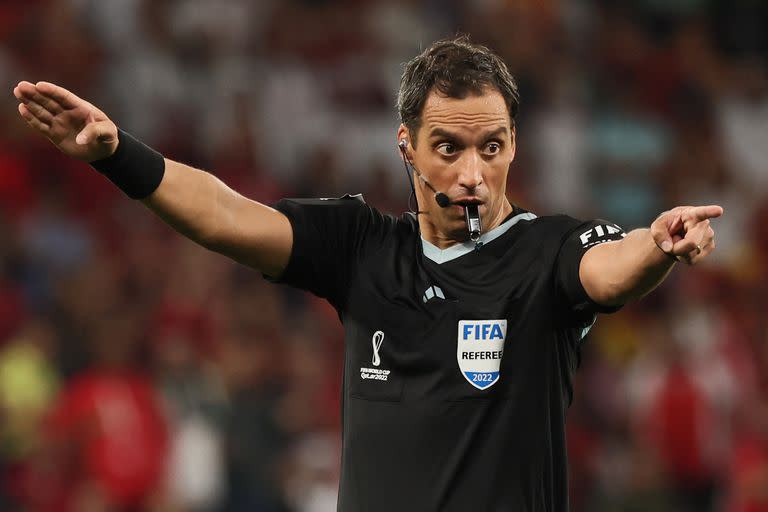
(748, 482)
(108, 426)
(743, 114)
(255, 439)
(28, 385)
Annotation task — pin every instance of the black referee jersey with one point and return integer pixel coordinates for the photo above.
(458, 362)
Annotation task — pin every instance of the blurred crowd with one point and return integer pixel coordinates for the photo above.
(139, 372)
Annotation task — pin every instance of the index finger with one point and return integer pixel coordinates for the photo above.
(59, 94)
(700, 213)
(27, 92)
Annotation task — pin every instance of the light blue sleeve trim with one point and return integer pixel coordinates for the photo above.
(585, 330)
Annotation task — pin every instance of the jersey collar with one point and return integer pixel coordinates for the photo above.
(440, 256)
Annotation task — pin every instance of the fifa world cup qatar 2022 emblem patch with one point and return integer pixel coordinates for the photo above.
(479, 351)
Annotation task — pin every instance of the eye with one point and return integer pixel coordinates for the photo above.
(446, 149)
(492, 148)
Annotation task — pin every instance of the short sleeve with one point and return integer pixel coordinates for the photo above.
(329, 238)
(573, 247)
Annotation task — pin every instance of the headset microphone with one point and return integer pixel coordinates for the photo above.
(441, 198)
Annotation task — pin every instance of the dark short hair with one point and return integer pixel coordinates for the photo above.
(456, 68)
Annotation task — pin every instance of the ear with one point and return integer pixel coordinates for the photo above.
(402, 135)
(513, 142)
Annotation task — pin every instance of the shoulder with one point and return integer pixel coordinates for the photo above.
(558, 223)
(545, 226)
(564, 226)
(349, 216)
(348, 207)
(349, 202)
(553, 232)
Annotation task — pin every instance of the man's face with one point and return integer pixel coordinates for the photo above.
(464, 148)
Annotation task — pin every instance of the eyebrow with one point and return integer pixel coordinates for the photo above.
(440, 132)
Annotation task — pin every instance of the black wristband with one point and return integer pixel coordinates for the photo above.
(134, 167)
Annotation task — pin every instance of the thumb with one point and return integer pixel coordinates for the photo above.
(662, 229)
(102, 131)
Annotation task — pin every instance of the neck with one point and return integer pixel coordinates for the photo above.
(442, 240)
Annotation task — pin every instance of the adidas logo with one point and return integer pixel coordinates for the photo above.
(432, 292)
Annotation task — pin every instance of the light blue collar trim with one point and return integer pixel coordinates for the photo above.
(440, 256)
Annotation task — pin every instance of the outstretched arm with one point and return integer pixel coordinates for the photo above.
(194, 202)
(614, 273)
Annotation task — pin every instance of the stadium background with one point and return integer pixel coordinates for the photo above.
(138, 372)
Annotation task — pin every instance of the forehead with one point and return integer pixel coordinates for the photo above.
(469, 114)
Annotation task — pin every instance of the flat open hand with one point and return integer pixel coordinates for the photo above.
(76, 127)
(685, 233)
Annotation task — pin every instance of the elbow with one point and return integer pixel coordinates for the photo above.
(618, 299)
(610, 293)
(199, 233)
(619, 294)
(209, 239)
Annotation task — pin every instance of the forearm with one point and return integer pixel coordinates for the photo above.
(615, 273)
(188, 200)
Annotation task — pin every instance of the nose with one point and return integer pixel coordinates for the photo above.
(471, 170)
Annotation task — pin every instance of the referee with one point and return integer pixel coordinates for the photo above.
(463, 320)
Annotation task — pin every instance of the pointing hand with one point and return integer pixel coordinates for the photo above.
(684, 232)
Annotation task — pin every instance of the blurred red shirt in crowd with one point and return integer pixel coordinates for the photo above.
(748, 476)
(114, 436)
(680, 422)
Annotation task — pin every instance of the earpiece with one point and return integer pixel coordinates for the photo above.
(403, 144)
